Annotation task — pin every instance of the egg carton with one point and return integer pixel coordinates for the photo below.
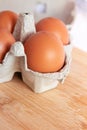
(16, 60)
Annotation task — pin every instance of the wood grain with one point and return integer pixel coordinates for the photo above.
(63, 108)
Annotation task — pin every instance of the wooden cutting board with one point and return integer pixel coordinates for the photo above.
(63, 108)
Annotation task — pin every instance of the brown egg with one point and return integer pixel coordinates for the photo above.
(8, 20)
(54, 25)
(45, 52)
(6, 40)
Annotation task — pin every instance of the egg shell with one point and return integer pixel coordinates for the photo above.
(16, 61)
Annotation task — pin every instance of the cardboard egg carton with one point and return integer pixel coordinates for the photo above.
(16, 60)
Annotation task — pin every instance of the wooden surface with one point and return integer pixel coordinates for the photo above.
(63, 108)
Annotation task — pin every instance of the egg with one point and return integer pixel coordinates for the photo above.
(8, 20)
(54, 25)
(6, 40)
(45, 52)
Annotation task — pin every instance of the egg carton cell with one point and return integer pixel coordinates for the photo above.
(16, 60)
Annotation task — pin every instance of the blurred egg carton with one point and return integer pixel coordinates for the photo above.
(16, 60)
